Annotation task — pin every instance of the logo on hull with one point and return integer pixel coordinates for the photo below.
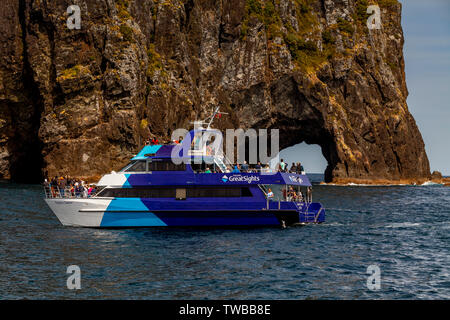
(295, 179)
(240, 178)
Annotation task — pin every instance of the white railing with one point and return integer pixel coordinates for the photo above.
(52, 192)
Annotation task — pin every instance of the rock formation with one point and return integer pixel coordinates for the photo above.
(80, 102)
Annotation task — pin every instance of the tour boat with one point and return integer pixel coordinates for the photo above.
(154, 191)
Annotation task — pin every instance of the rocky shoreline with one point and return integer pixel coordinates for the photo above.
(384, 182)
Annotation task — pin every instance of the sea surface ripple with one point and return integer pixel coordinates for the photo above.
(404, 230)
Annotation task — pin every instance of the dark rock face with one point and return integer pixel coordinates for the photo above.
(80, 102)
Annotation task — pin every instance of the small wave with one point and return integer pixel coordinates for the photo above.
(351, 184)
(403, 225)
(431, 183)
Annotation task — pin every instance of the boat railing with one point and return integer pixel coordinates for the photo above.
(55, 192)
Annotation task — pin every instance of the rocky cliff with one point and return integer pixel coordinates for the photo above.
(80, 102)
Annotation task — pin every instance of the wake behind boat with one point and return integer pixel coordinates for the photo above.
(154, 191)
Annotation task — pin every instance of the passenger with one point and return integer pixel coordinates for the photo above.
(293, 168)
(294, 196)
(290, 194)
(258, 167)
(62, 186)
(77, 190)
(208, 170)
(300, 197)
(94, 190)
(84, 190)
(270, 193)
(300, 169)
(236, 169)
(244, 167)
(285, 194)
(282, 166)
(89, 190)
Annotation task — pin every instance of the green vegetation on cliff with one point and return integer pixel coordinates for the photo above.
(304, 49)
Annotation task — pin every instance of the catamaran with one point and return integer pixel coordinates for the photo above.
(153, 190)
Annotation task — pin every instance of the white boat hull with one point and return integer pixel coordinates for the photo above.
(75, 212)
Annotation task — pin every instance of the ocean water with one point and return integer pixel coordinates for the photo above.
(405, 231)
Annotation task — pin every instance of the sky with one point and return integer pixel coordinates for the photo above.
(426, 28)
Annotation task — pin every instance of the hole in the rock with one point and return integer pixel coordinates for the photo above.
(310, 156)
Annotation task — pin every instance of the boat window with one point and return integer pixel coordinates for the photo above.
(138, 166)
(138, 193)
(201, 167)
(125, 167)
(218, 192)
(181, 194)
(172, 192)
(166, 166)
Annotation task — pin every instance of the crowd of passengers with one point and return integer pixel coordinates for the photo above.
(290, 194)
(281, 167)
(69, 187)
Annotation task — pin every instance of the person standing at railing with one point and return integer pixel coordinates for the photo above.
(244, 167)
(93, 191)
(258, 167)
(77, 190)
(62, 186)
(84, 190)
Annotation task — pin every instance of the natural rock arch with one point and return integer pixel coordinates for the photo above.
(309, 68)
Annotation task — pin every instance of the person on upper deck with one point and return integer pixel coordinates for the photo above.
(267, 168)
(282, 166)
(244, 167)
(293, 168)
(300, 169)
(236, 169)
(208, 170)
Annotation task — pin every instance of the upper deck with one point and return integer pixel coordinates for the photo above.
(189, 177)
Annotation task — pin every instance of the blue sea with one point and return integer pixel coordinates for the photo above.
(403, 230)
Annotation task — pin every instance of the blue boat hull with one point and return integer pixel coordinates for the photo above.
(233, 218)
(136, 212)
